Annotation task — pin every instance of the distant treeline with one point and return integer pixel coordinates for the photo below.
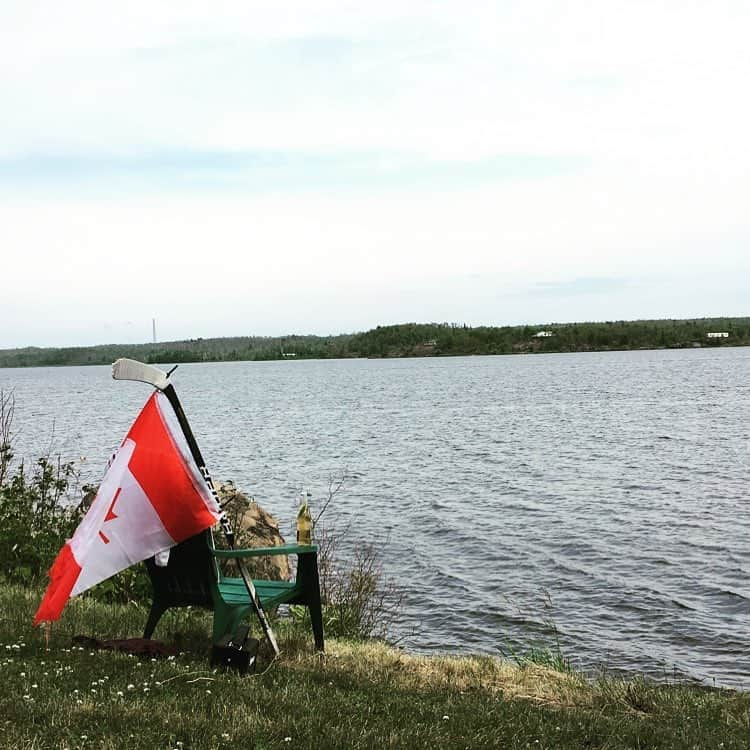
(232, 349)
(408, 340)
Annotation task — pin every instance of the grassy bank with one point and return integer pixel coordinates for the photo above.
(58, 695)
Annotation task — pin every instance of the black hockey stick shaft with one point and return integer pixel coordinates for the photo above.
(171, 395)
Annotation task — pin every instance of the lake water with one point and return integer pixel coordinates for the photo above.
(605, 493)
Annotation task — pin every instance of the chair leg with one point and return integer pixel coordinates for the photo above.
(308, 570)
(157, 610)
(316, 618)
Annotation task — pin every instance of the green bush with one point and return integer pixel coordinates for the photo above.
(40, 507)
(34, 523)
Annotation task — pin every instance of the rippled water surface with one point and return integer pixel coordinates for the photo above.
(605, 493)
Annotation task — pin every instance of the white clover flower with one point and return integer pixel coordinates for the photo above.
(131, 686)
(120, 693)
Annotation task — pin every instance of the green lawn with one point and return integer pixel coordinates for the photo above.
(359, 696)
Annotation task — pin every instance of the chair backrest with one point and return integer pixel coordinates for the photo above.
(189, 576)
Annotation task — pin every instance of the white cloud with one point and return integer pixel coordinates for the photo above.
(649, 96)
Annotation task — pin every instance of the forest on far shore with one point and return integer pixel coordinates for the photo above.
(407, 340)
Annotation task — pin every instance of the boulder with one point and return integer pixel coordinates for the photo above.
(253, 527)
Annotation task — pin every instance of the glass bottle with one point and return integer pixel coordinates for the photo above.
(304, 520)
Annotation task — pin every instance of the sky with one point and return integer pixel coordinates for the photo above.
(262, 168)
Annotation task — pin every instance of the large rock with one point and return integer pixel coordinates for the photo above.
(253, 527)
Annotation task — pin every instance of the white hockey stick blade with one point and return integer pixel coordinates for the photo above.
(130, 369)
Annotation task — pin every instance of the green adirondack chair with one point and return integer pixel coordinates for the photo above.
(193, 577)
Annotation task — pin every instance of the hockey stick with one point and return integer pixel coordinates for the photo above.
(130, 369)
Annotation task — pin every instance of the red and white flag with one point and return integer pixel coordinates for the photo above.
(152, 497)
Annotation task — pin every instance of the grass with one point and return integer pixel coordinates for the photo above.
(360, 695)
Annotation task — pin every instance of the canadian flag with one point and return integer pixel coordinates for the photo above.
(152, 496)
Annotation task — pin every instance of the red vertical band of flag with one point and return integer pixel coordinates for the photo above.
(178, 502)
(63, 574)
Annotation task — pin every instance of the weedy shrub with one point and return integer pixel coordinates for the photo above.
(359, 601)
(40, 506)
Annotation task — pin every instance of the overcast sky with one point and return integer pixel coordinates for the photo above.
(234, 168)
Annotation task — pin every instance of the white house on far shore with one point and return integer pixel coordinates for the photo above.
(717, 335)
(543, 335)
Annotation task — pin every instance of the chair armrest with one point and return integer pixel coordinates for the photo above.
(284, 549)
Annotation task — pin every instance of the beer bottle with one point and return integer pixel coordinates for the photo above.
(304, 520)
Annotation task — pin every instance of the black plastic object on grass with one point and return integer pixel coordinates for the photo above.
(236, 652)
